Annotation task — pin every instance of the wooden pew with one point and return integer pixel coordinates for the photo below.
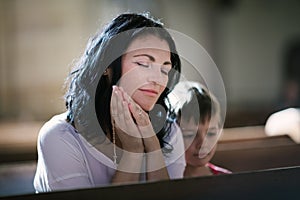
(257, 153)
(18, 141)
(267, 184)
(241, 150)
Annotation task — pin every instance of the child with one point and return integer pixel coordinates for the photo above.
(199, 119)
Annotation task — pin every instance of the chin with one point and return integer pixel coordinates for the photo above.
(146, 106)
(197, 164)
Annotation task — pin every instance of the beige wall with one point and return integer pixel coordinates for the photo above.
(39, 40)
(251, 44)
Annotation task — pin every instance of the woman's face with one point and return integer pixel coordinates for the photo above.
(145, 68)
(200, 140)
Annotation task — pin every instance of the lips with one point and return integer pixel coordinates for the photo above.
(149, 92)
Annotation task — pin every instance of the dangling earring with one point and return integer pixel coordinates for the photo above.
(105, 73)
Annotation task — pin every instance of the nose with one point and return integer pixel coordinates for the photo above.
(199, 140)
(156, 75)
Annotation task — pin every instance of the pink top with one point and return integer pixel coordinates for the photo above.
(67, 161)
(216, 170)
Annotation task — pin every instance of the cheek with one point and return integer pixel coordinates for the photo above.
(192, 148)
(194, 160)
(164, 83)
(189, 144)
(131, 80)
(161, 90)
(165, 80)
(189, 156)
(209, 155)
(146, 104)
(213, 151)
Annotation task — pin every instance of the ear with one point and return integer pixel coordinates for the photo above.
(108, 73)
(105, 73)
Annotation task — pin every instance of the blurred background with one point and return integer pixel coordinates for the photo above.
(254, 43)
(248, 40)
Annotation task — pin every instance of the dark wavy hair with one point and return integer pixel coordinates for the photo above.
(104, 51)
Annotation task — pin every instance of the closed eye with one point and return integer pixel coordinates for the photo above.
(142, 64)
(211, 134)
(165, 70)
(188, 134)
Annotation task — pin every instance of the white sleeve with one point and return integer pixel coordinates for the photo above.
(61, 163)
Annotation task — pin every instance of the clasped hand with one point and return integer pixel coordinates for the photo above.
(132, 123)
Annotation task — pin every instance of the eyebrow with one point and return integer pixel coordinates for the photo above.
(152, 58)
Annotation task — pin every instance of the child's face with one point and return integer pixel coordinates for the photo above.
(200, 140)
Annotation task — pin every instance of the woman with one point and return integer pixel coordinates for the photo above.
(115, 129)
(200, 121)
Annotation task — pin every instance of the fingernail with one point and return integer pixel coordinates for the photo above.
(115, 88)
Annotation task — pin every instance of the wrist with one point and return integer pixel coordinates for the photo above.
(130, 162)
(137, 147)
(151, 144)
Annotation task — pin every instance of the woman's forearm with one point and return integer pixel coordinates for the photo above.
(129, 168)
(156, 168)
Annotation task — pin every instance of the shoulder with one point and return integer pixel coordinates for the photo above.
(58, 142)
(55, 130)
(175, 136)
(175, 160)
(175, 140)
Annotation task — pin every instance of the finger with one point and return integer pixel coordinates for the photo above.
(128, 100)
(122, 92)
(113, 103)
(125, 119)
(119, 106)
(142, 120)
(116, 108)
(140, 116)
(128, 117)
